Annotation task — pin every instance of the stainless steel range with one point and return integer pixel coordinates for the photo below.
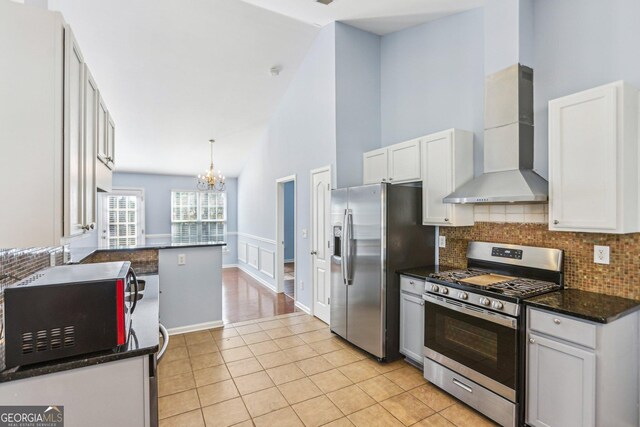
(474, 325)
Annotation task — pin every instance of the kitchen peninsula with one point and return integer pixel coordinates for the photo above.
(190, 276)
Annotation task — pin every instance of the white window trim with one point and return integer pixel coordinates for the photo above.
(102, 213)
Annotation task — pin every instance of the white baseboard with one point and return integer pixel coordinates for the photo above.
(258, 278)
(196, 327)
(303, 307)
(230, 266)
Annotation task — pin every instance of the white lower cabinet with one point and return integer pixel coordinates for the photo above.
(411, 318)
(580, 373)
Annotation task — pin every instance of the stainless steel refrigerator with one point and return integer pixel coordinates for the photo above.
(377, 229)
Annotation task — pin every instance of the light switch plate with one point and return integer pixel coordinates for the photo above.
(52, 260)
(442, 241)
(601, 254)
(304, 233)
(182, 259)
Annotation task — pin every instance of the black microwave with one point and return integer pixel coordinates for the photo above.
(68, 311)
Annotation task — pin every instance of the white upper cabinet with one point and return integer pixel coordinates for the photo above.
(375, 166)
(593, 160)
(111, 142)
(447, 163)
(91, 97)
(404, 162)
(396, 164)
(73, 136)
(49, 130)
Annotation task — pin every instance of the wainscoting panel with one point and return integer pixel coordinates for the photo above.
(253, 256)
(242, 252)
(267, 262)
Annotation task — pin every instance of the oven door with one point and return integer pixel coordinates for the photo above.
(476, 343)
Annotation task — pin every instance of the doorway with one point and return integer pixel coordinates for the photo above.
(286, 236)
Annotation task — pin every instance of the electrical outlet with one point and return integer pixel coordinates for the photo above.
(301, 285)
(52, 260)
(182, 259)
(442, 241)
(601, 254)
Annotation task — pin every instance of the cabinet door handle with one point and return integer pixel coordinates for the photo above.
(446, 220)
(531, 340)
(556, 321)
(384, 179)
(556, 222)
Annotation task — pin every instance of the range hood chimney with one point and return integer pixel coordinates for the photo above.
(508, 143)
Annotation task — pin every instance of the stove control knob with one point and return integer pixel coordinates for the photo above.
(497, 305)
(463, 295)
(485, 301)
(434, 288)
(444, 291)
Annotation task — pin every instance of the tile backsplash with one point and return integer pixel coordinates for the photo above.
(15, 265)
(621, 277)
(532, 213)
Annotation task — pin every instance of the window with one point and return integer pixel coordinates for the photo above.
(198, 216)
(121, 219)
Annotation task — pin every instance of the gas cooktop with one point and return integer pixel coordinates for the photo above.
(516, 287)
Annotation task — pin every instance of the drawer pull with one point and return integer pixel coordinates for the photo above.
(556, 321)
(532, 341)
(462, 386)
(411, 282)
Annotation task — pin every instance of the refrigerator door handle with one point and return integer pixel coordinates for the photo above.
(343, 248)
(348, 221)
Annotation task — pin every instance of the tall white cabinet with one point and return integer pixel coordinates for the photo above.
(447, 163)
(593, 160)
(48, 131)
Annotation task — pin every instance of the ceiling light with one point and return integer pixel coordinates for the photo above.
(274, 71)
(209, 181)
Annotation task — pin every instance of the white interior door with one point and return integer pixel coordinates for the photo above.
(320, 242)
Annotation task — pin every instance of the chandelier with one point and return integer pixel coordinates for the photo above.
(209, 181)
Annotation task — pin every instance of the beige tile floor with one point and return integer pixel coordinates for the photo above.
(290, 370)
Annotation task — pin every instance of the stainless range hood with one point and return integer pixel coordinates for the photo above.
(508, 143)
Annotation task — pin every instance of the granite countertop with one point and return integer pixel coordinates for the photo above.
(144, 339)
(424, 272)
(77, 255)
(585, 305)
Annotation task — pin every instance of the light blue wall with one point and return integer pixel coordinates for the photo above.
(357, 101)
(580, 44)
(158, 205)
(433, 79)
(289, 220)
(301, 136)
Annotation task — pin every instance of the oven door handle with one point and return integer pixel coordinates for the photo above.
(489, 316)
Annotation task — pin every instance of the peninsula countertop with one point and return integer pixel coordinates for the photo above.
(77, 255)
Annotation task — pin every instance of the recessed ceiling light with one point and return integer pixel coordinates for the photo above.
(275, 71)
(325, 2)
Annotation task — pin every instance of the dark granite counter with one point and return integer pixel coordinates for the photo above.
(77, 255)
(585, 305)
(143, 340)
(424, 272)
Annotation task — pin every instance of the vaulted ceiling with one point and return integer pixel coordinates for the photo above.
(176, 73)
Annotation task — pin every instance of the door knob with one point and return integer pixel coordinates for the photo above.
(314, 252)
